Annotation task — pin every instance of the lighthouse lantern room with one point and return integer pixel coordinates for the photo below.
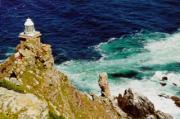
(29, 30)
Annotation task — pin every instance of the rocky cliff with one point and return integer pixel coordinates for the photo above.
(32, 88)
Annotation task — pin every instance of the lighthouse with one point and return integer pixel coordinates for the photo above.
(29, 27)
(29, 31)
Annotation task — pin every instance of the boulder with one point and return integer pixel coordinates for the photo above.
(135, 105)
(176, 100)
(177, 103)
(103, 84)
(163, 84)
(139, 107)
(162, 115)
(174, 84)
(164, 78)
(28, 106)
(164, 95)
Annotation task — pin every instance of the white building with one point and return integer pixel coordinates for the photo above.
(29, 30)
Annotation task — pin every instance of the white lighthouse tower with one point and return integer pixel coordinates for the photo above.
(29, 31)
(29, 27)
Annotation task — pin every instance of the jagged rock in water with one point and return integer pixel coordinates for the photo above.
(162, 115)
(163, 84)
(164, 78)
(103, 84)
(139, 107)
(176, 100)
(28, 106)
(164, 95)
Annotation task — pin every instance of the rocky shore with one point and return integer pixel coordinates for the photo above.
(32, 88)
(131, 105)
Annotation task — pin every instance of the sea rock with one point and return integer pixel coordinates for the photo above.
(174, 84)
(162, 115)
(135, 105)
(176, 100)
(28, 106)
(103, 84)
(164, 95)
(164, 78)
(163, 84)
(177, 103)
(139, 107)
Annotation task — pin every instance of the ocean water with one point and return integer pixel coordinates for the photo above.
(136, 42)
(138, 65)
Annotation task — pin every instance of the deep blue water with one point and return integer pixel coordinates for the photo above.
(71, 26)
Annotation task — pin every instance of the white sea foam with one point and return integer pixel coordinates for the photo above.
(173, 78)
(8, 54)
(164, 51)
(150, 89)
(156, 52)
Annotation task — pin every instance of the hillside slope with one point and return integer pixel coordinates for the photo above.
(30, 71)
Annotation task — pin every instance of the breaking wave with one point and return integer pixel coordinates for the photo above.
(137, 61)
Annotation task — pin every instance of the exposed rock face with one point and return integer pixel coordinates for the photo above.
(28, 106)
(135, 105)
(31, 70)
(139, 107)
(162, 115)
(103, 84)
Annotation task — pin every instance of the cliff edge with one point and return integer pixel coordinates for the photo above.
(31, 87)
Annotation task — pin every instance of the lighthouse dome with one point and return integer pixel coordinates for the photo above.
(29, 30)
(29, 22)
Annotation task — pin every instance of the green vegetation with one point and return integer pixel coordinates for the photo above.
(8, 116)
(11, 86)
(53, 115)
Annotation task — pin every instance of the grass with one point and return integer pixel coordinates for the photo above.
(8, 116)
(53, 115)
(11, 86)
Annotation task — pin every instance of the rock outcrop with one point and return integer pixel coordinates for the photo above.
(176, 100)
(139, 107)
(103, 84)
(30, 71)
(28, 106)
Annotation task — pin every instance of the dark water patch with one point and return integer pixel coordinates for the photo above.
(173, 2)
(125, 74)
(172, 67)
(5, 52)
(146, 68)
(178, 93)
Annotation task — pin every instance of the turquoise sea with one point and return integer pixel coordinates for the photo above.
(137, 61)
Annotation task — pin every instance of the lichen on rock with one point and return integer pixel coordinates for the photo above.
(27, 106)
(32, 67)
